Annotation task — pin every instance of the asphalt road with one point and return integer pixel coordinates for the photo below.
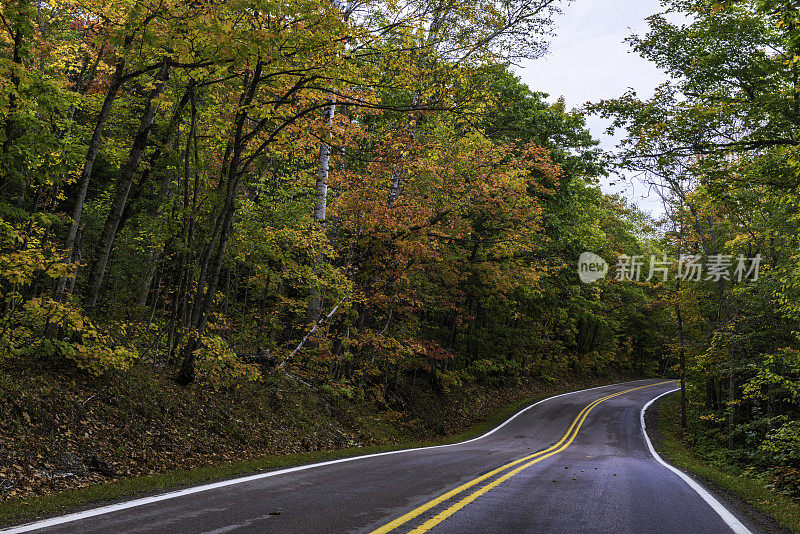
(566, 465)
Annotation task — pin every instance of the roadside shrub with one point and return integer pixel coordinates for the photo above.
(782, 445)
(38, 327)
(219, 367)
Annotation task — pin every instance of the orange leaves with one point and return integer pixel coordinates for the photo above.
(467, 223)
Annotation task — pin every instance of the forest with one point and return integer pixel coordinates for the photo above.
(362, 198)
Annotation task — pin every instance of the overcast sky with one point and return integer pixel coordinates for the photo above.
(589, 61)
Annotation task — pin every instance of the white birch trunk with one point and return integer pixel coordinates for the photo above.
(396, 181)
(314, 309)
(323, 170)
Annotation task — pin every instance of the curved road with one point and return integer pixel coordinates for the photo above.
(573, 463)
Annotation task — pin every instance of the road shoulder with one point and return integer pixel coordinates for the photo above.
(766, 510)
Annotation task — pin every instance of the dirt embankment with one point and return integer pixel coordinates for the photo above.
(62, 431)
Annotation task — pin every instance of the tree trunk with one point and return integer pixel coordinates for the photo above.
(11, 123)
(682, 353)
(86, 173)
(219, 239)
(679, 317)
(323, 169)
(150, 168)
(731, 395)
(124, 186)
(314, 310)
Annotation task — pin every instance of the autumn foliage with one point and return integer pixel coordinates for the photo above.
(350, 193)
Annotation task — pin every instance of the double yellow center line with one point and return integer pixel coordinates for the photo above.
(526, 462)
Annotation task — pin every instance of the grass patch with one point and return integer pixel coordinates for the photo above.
(675, 449)
(31, 508)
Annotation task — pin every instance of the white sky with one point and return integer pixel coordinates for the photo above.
(589, 61)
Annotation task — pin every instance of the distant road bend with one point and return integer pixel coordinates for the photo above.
(577, 462)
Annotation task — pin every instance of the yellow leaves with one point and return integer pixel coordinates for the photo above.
(30, 326)
(26, 255)
(219, 367)
(88, 348)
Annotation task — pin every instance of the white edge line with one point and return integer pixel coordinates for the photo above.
(60, 520)
(735, 525)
